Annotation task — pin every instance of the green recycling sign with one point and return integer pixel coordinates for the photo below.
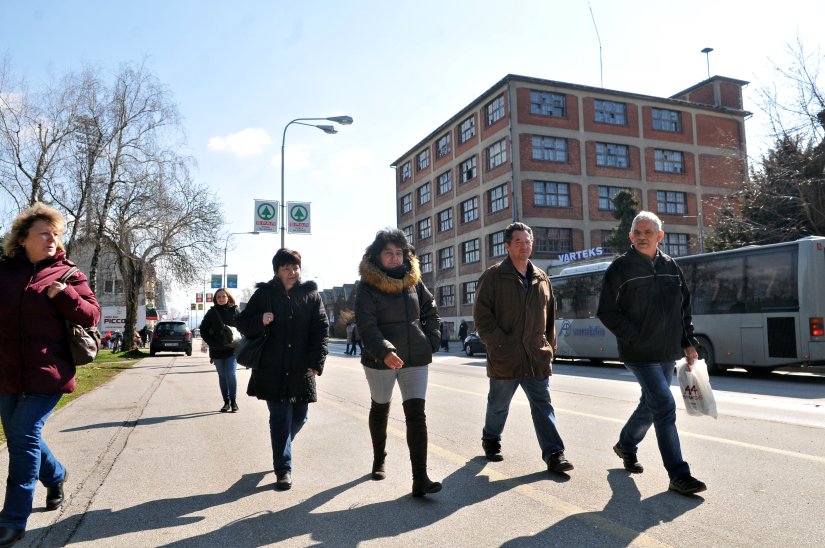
(298, 217)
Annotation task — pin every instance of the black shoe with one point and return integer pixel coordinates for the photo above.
(558, 463)
(54, 494)
(378, 471)
(492, 450)
(631, 463)
(9, 536)
(225, 408)
(424, 486)
(686, 485)
(234, 406)
(284, 482)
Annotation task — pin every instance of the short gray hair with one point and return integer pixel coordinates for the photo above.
(647, 216)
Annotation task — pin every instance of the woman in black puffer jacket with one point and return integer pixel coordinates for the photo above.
(399, 325)
(291, 315)
(223, 312)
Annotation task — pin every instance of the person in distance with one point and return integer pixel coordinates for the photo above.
(224, 311)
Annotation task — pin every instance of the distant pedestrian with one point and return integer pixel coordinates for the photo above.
(36, 367)
(350, 342)
(144, 335)
(291, 314)
(514, 314)
(445, 338)
(356, 340)
(117, 338)
(224, 312)
(645, 302)
(391, 304)
(462, 332)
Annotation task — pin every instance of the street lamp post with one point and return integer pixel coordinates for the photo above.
(225, 244)
(343, 120)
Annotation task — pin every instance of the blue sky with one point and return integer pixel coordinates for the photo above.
(239, 71)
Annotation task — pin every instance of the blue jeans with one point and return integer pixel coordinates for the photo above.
(544, 418)
(657, 408)
(30, 459)
(285, 421)
(226, 377)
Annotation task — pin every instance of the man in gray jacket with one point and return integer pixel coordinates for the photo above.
(515, 316)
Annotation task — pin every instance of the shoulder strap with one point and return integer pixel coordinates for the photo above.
(68, 274)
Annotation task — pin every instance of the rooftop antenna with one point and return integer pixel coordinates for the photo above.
(707, 51)
(601, 66)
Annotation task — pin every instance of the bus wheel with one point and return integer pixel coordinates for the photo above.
(705, 352)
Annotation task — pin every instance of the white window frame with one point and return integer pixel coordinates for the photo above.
(495, 110)
(499, 198)
(496, 154)
(467, 130)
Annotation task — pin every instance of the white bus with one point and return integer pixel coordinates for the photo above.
(757, 307)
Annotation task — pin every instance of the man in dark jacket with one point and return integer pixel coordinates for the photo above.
(646, 304)
(515, 317)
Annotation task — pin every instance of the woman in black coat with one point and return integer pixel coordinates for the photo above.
(290, 314)
(223, 313)
(399, 324)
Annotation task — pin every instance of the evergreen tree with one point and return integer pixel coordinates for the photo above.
(624, 210)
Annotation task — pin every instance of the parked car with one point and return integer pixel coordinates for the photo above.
(171, 336)
(472, 344)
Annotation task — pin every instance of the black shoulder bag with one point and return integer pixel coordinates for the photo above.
(251, 349)
(84, 342)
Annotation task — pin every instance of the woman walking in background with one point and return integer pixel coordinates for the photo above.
(223, 313)
(399, 325)
(289, 312)
(36, 366)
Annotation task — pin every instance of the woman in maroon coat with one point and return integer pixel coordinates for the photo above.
(36, 365)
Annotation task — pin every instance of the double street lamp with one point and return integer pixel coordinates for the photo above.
(225, 244)
(326, 128)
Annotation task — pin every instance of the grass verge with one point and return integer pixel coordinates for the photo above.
(90, 376)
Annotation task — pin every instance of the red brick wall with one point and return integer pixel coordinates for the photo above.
(715, 131)
(731, 95)
(720, 171)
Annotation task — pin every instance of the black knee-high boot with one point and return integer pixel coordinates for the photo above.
(417, 442)
(379, 414)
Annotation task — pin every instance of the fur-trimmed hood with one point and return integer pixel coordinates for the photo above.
(373, 275)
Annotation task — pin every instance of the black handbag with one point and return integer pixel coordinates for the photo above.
(251, 349)
(84, 342)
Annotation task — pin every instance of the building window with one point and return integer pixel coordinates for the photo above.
(423, 159)
(445, 258)
(606, 195)
(551, 149)
(406, 203)
(496, 154)
(497, 244)
(495, 110)
(675, 244)
(498, 198)
(553, 240)
(671, 203)
(667, 120)
(469, 210)
(471, 251)
(424, 193)
(610, 112)
(468, 293)
(605, 236)
(669, 161)
(547, 103)
(467, 129)
(424, 228)
(446, 295)
(445, 220)
(445, 183)
(113, 286)
(547, 194)
(426, 262)
(468, 170)
(443, 146)
(406, 172)
(610, 155)
(408, 232)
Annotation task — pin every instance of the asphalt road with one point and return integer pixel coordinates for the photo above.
(154, 464)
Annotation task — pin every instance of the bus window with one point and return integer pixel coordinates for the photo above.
(718, 286)
(771, 281)
(563, 294)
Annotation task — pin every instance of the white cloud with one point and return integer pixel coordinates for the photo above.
(297, 157)
(247, 142)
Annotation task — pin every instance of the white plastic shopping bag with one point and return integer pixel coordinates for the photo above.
(695, 388)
